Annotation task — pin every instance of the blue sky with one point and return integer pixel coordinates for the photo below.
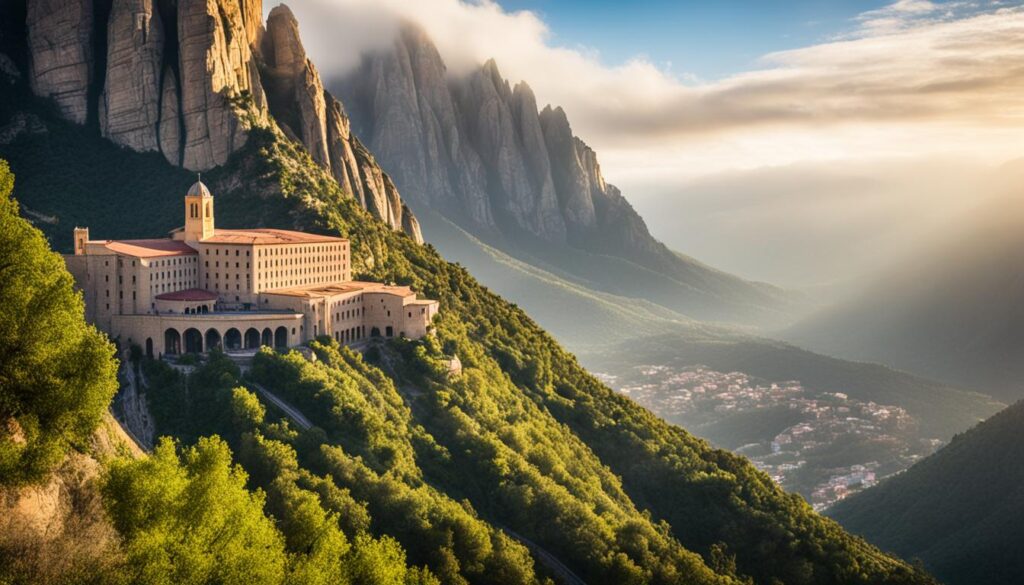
(708, 39)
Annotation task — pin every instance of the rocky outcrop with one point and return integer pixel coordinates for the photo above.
(315, 118)
(190, 78)
(169, 129)
(478, 151)
(60, 53)
(294, 89)
(221, 94)
(408, 114)
(129, 108)
(410, 224)
(572, 180)
(525, 201)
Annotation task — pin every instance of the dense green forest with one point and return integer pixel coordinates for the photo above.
(960, 511)
(449, 473)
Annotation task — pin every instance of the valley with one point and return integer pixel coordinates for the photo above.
(822, 445)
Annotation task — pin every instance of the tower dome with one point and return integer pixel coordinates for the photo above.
(199, 189)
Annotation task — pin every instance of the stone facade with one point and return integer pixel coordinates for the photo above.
(235, 289)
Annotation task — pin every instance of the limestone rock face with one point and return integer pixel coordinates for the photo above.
(541, 194)
(477, 150)
(252, 20)
(411, 225)
(294, 89)
(408, 115)
(170, 118)
(572, 181)
(500, 126)
(129, 108)
(220, 83)
(312, 116)
(60, 53)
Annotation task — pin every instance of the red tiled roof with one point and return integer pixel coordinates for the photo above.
(192, 294)
(150, 248)
(267, 236)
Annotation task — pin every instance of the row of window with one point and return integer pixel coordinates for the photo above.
(350, 313)
(306, 249)
(179, 261)
(227, 252)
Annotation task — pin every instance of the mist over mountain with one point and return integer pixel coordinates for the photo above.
(478, 150)
(833, 223)
(953, 312)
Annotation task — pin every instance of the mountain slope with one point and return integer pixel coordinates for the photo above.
(960, 511)
(628, 341)
(525, 437)
(953, 313)
(477, 151)
(615, 335)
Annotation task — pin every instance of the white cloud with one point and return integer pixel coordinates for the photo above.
(951, 70)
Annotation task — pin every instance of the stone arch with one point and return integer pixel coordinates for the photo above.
(232, 339)
(252, 338)
(267, 338)
(375, 332)
(193, 341)
(213, 340)
(172, 342)
(281, 337)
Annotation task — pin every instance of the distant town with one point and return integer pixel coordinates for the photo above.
(823, 445)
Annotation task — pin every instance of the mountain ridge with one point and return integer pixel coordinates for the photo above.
(478, 150)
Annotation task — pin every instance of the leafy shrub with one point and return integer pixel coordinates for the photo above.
(57, 373)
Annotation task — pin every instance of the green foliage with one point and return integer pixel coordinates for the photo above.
(189, 519)
(57, 373)
(960, 511)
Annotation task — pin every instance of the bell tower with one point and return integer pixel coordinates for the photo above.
(198, 213)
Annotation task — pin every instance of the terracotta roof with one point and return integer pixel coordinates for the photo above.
(267, 236)
(326, 290)
(192, 294)
(150, 248)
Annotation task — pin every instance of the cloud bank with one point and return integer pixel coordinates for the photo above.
(915, 66)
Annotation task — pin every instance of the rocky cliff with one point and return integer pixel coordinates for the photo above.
(312, 116)
(191, 78)
(476, 150)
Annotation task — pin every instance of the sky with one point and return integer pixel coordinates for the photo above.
(705, 40)
(691, 105)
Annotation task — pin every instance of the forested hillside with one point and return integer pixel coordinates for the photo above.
(960, 511)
